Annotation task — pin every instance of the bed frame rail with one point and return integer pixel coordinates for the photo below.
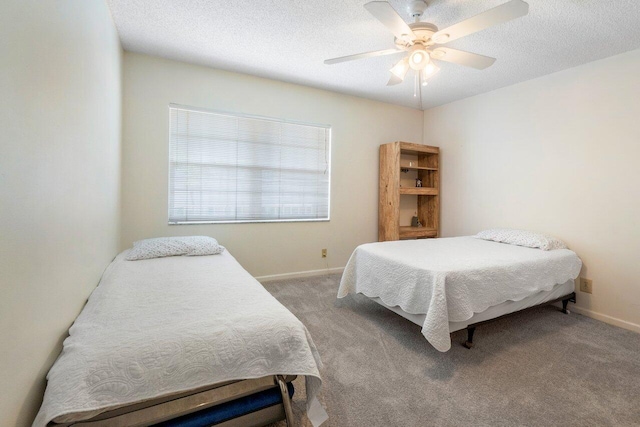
(471, 329)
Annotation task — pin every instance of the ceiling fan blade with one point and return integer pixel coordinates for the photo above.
(499, 14)
(386, 14)
(361, 56)
(394, 80)
(461, 57)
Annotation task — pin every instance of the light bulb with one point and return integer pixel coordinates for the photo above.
(429, 70)
(400, 69)
(418, 59)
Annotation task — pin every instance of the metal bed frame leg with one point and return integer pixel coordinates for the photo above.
(572, 298)
(469, 343)
(286, 400)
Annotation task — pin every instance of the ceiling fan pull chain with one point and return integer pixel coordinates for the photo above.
(416, 85)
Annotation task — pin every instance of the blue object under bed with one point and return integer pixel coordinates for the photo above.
(229, 410)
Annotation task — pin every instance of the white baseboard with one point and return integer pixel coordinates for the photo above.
(299, 274)
(605, 318)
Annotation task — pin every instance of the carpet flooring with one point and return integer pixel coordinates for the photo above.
(537, 368)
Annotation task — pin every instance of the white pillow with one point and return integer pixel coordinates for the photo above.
(522, 238)
(174, 246)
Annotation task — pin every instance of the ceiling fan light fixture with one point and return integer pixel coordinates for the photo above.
(400, 69)
(428, 72)
(418, 59)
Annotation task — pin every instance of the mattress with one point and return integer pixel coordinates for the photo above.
(157, 327)
(230, 410)
(506, 307)
(451, 279)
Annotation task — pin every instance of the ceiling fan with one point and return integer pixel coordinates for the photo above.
(422, 40)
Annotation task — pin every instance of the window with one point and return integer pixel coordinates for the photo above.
(234, 168)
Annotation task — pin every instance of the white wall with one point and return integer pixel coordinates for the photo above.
(59, 181)
(558, 154)
(359, 126)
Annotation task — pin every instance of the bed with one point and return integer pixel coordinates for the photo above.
(182, 340)
(449, 284)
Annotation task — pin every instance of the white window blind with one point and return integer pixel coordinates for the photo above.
(229, 168)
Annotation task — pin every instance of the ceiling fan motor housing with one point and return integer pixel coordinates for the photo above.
(423, 32)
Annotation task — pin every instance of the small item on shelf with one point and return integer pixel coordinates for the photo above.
(418, 183)
(415, 222)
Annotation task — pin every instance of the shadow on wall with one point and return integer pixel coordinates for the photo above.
(33, 399)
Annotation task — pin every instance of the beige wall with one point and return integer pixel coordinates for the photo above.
(59, 181)
(558, 154)
(359, 126)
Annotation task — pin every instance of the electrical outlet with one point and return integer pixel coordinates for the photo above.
(324, 253)
(586, 285)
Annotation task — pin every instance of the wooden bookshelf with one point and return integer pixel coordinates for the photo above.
(398, 159)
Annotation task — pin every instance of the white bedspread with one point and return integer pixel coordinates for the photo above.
(450, 279)
(161, 326)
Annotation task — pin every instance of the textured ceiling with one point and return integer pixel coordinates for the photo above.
(288, 40)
